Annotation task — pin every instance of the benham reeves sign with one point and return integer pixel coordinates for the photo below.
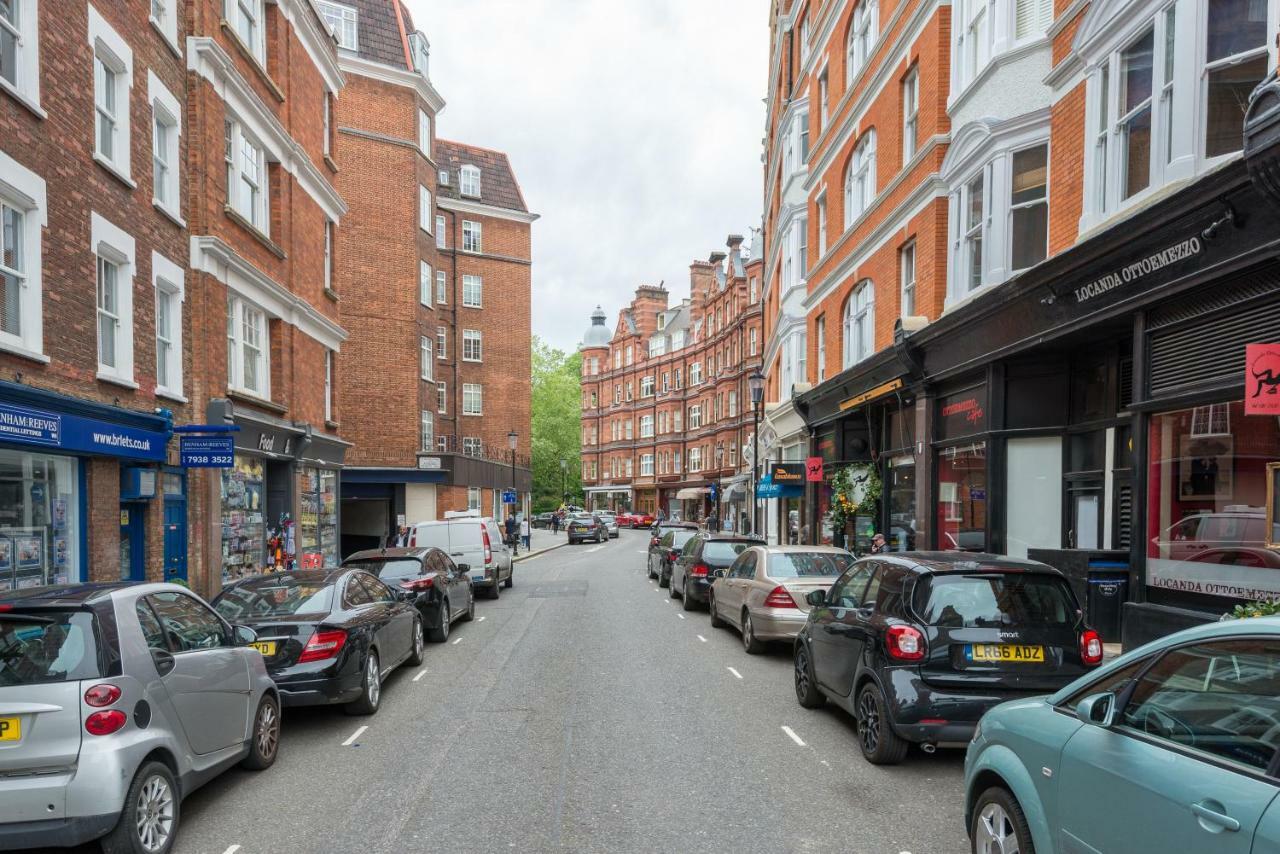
(1188, 248)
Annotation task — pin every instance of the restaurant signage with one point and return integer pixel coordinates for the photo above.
(1139, 269)
(787, 473)
(963, 413)
(1262, 379)
(813, 470)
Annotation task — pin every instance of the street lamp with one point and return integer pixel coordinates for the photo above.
(756, 383)
(512, 438)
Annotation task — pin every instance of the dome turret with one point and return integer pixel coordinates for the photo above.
(597, 335)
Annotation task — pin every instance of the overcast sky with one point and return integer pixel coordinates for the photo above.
(633, 126)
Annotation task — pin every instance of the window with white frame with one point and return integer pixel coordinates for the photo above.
(646, 386)
(112, 80)
(424, 283)
(657, 344)
(428, 426)
(116, 264)
(472, 233)
(426, 357)
(860, 178)
(472, 291)
(1031, 18)
(442, 395)
(168, 279)
(472, 446)
(426, 213)
(859, 323)
(752, 340)
(326, 145)
(328, 255)
(472, 399)
(646, 465)
(442, 341)
(861, 39)
(628, 429)
(974, 26)
(822, 225)
(23, 214)
(442, 237)
(166, 127)
(1029, 207)
(972, 207)
(248, 348)
(246, 166)
(342, 21)
(630, 357)
(820, 331)
(800, 340)
(469, 181)
(753, 289)
(247, 21)
(473, 492)
(328, 385)
(675, 462)
(20, 50)
(695, 416)
(471, 345)
(733, 403)
(824, 97)
(695, 459)
(617, 394)
(442, 287)
(907, 278)
(695, 373)
(424, 134)
(910, 114)
(804, 39)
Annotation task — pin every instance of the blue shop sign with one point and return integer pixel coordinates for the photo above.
(207, 452)
(508, 496)
(74, 433)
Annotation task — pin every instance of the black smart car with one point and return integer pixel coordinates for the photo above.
(666, 551)
(327, 635)
(426, 577)
(694, 570)
(918, 646)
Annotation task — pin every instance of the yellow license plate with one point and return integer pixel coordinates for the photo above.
(1007, 652)
(267, 648)
(10, 729)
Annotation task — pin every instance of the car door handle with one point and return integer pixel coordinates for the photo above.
(456, 554)
(1211, 816)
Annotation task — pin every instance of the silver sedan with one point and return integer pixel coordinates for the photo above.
(763, 593)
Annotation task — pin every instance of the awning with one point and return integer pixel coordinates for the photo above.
(735, 492)
(691, 492)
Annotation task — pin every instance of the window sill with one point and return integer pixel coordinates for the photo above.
(254, 62)
(170, 214)
(25, 352)
(115, 379)
(176, 396)
(115, 171)
(469, 305)
(236, 217)
(252, 399)
(168, 41)
(32, 104)
(332, 294)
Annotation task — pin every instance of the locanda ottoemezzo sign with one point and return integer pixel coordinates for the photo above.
(1140, 268)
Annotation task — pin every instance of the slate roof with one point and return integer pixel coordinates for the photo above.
(378, 36)
(498, 185)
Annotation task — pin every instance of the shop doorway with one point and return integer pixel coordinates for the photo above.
(175, 526)
(133, 541)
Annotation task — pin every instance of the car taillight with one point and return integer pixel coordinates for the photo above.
(653, 541)
(1090, 647)
(323, 645)
(700, 569)
(905, 643)
(419, 583)
(488, 546)
(102, 695)
(674, 554)
(104, 723)
(779, 598)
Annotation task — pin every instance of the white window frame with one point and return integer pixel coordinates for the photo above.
(822, 225)
(646, 465)
(111, 52)
(343, 21)
(328, 386)
(442, 393)
(910, 114)
(426, 211)
(243, 147)
(472, 345)
(824, 97)
(427, 429)
(1013, 208)
(442, 342)
(112, 244)
(820, 326)
(424, 134)
(23, 192)
(474, 497)
(469, 181)
(169, 281)
(252, 14)
(752, 337)
(326, 144)
(442, 237)
(907, 284)
(241, 314)
(425, 280)
(25, 86)
(442, 287)
(860, 42)
(647, 385)
(426, 358)
(695, 416)
(859, 326)
(472, 236)
(328, 255)
(166, 174)
(472, 290)
(860, 179)
(472, 399)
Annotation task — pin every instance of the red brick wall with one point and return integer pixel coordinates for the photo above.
(1066, 169)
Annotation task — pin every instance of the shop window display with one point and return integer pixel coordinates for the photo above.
(962, 497)
(900, 487)
(318, 522)
(244, 534)
(1207, 512)
(39, 520)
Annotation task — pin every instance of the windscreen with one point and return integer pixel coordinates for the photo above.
(808, 564)
(995, 601)
(389, 569)
(275, 596)
(724, 551)
(51, 646)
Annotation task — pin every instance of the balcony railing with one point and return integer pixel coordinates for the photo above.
(480, 450)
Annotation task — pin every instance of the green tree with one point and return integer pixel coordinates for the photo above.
(557, 425)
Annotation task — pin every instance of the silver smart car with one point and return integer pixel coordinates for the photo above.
(116, 701)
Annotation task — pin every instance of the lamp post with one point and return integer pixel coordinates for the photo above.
(756, 383)
(512, 438)
(564, 470)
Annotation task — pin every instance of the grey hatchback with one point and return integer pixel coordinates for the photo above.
(116, 701)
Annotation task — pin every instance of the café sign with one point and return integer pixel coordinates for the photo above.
(1139, 269)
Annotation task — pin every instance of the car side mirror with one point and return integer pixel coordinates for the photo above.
(816, 597)
(719, 573)
(1097, 709)
(164, 661)
(464, 567)
(243, 635)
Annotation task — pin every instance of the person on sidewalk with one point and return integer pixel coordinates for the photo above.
(512, 533)
(524, 532)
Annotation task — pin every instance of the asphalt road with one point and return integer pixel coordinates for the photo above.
(584, 711)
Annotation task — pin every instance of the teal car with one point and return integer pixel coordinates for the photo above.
(1173, 747)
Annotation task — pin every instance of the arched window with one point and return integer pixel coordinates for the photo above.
(861, 38)
(470, 180)
(860, 179)
(860, 323)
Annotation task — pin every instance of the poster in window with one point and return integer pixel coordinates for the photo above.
(30, 552)
(6, 554)
(1273, 506)
(1206, 468)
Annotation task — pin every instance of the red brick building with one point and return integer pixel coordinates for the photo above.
(666, 406)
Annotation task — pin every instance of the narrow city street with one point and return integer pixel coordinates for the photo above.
(583, 711)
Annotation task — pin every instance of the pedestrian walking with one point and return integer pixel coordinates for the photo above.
(555, 522)
(524, 532)
(513, 530)
(713, 523)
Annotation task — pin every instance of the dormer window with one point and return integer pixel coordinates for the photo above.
(444, 177)
(469, 178)
(342, 23)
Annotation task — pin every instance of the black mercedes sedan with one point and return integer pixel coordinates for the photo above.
(427, 577)
(328, 636)
(666, 551)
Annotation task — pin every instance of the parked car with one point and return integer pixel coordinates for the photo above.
(635, 519)
(586, 526)
(428, 579)
(691, 574)
(664, 553)
(917, 646)
(610, 523)
(1170, 747)
(476, 541)
(116, 702)
(659, 529)
(541, 520)
(328, 636)
(763, 593)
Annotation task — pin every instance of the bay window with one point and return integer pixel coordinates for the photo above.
(822, 226)
(1029, 207)
(820, 327)
(859, 323)
(248, 348)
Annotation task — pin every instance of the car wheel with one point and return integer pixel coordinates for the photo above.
(880, 744)
(999, 825)
(495, 589)
(650, 570)
(511, 579)
(149, 821)
(672, 592)
(664, 580)
(806, 686)
(471, 606)
(370, 688)
(716, 621)
(264, 741)
(417, 654)
(752, 644)
(441, 633)
(687, 601)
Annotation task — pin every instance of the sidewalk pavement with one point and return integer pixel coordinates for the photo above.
(541, 540)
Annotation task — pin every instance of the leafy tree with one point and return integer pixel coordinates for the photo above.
(557, 425)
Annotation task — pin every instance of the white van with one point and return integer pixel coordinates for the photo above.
(473, 540)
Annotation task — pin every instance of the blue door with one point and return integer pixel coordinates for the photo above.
(175, 539)
(133, 541)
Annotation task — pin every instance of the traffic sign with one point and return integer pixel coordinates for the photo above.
(508, 496)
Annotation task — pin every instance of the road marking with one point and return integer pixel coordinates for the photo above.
(735, 673)
(701, 638)
(641, 552)
(479, 619)
(232, 850)
(594, 549)
(420, 674)
(458, 641)
(792, 733)
(352, 740)
(681, 616)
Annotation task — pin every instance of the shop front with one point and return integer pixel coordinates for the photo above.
(960, 453)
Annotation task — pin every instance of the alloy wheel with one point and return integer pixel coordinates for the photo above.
(995, 833)
(418, 642)
(802, 674)
(155, 814)
(444, 621)
(868, 722)
(373, 680)
(268, 730)
(747, 634)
